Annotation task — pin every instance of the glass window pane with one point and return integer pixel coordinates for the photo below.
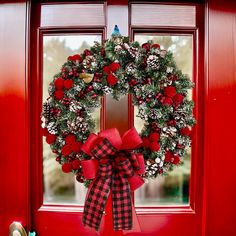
(58, 186)
(174, 188)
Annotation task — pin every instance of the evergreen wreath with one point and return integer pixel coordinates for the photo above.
(119, 67)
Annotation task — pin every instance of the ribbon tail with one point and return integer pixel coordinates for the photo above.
(95, 202)
(121, 203)
(136, 225)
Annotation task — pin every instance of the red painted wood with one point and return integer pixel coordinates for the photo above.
(220, 118)
(14, 166)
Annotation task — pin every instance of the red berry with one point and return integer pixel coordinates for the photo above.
(178, 98)
(185, 131)
(51, 138)
(146, 46)
(87, 52)
(171, 122)
(68, 83)
(45, 132)
(70, 138)
(66, 167)
(169, 157)
(167, 101)
(154, 136)
(75, 164)
(155, 146)
(176, 160)
(111, 79)
(106, 69)
(66, 150)
(114, 66)
(79, 179)
(76, 146)
(146, 142)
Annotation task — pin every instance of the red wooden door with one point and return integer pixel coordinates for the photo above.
(53, 22)
(17, 181)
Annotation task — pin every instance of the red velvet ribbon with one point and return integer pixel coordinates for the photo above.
(114, 169)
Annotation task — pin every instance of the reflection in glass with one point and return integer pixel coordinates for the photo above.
(174, 188)
(60, 187)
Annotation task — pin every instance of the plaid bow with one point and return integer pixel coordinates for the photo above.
(116, 173)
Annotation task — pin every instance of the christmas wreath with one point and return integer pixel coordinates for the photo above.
(119, 67)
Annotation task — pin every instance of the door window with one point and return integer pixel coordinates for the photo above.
(58, 186)
(174, 188)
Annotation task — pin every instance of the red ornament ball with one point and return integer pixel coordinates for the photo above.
(76, 146)
(75, 164)
(59, 94)
(59, 83)
(68, 83)
(178, 98)
(51, 138)
(167, 101)
(106, 69)
(146, 142)
(66, 168)
(146, 46)
(176, 160)
(87, 52)
(170, 91)
(114, 66)
(66, 150)
(154, 136)
(111, 79)
(70, 138)
(45, 132)
(155, 146)
(185, 131)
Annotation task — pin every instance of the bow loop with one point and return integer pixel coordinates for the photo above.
(131, 140)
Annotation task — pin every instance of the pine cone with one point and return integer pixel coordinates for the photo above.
(153, 62)
(47, 112)
(52, 127)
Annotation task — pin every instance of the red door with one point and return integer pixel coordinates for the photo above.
(174, 205)
(161, 202)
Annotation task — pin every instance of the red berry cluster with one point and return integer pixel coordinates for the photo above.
(60, 85)
(109, 71)
(152, 141)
